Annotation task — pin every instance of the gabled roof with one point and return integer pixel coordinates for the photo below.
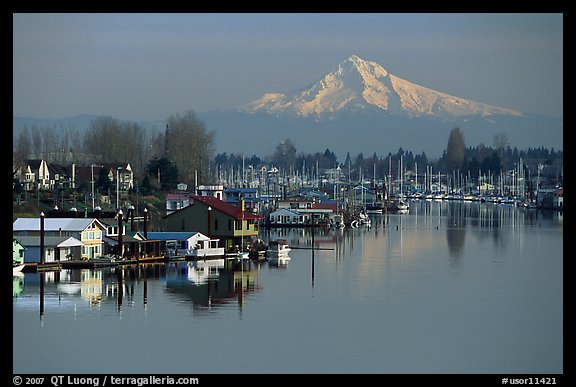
(113, 240)
(34, 164)
(54, 224)
(171, 236)
(284, 210)
(137, 235)
(225, 207)
(59, 169)
(50, 241)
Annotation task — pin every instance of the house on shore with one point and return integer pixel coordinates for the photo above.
(56, 248)
(287, 217)
(89, 231)
(18, 250)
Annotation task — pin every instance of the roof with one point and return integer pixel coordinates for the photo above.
(53, 224)
(324, 206)
(34, 164)
(170, 236)
(59, 169)
(226, 208)
(137, 235)
(283, 210)
(50, 241)
(178, 196)
(113, 240)
(240, 190)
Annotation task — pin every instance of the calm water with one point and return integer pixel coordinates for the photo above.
(446, 288)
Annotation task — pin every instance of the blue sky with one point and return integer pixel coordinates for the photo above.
(148, 66)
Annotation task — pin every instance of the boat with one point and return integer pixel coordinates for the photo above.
(398, 205)
(361, 220)
(278, 249)
(243, 255)
(375, 208)
(337, 221)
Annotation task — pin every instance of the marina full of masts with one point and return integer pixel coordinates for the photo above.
(517, 186)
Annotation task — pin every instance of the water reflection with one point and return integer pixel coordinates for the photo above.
(17, 284)
(393, 240)
(205, 284)
(445, 276)
(212, 283)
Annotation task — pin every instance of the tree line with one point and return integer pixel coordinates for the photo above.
(183, 150)
(456, 157)
(184, 153)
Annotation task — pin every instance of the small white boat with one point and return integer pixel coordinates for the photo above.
(243, 255)
(278, 249)
(337, 221)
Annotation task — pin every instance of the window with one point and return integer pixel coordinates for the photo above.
(237, 225)
(183, 225)
(229, 224)
(215, 224)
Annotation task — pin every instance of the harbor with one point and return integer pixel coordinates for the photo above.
(473, 273)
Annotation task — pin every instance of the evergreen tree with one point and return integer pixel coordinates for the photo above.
(455, 150)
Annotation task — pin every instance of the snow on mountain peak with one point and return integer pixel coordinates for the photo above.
(358, 85)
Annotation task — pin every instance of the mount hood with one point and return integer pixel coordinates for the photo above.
(356, 86)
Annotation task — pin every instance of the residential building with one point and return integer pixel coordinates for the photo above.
(34, 174)
(89, 231)
(193, 244)
(17, 252)
(216, 191)
(308, 207)
(235, 196)
(176, 201)
(38, 174)
(56, 248)
(287, 217)
(216, 219)
(120, 175)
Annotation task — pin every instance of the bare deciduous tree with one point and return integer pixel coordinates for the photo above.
(189, 145)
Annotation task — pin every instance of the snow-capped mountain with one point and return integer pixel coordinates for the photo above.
(356, 85)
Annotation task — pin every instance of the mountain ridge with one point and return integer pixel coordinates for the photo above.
(356, 86)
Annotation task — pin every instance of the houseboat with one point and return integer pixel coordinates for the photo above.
(278, 249)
